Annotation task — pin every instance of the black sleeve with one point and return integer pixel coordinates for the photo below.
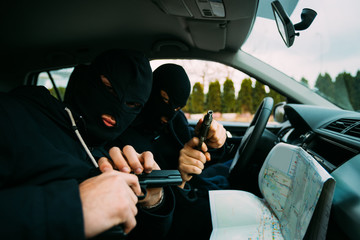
(48, 211)
(218, 154)
(192, 218)
(52, 211)
(155, 224)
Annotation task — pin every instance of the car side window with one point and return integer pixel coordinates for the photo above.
(231, 94)
(55, 81)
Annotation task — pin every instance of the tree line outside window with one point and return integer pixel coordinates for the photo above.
(225, 101)
(344, 90)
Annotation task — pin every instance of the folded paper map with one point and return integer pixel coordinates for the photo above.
(296, 191)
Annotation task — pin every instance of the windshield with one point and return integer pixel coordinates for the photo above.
(325, 57)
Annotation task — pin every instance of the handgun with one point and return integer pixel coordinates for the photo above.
(154, 179)
(204, 129)
(160, 178)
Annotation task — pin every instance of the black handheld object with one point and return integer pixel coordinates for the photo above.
(204, 129)
(160, 178)
(157, 178)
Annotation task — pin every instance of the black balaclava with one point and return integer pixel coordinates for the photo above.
(175, 82)
(130, 75)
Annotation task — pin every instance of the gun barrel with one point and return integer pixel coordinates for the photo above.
(204, 129)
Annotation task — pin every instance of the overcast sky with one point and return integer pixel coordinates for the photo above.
(330, 44)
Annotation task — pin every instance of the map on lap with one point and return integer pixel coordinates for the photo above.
(296, 191)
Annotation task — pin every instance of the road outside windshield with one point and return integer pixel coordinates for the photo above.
(324, 57)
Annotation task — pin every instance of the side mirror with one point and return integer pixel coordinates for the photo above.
(279, 112)
(286, 27)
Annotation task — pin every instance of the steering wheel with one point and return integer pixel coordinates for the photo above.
(241, 161)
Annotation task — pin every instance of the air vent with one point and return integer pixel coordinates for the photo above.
(340, 125)
(354, 131)
(349, 127)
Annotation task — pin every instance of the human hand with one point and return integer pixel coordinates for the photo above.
(107, 200)
(128, 160)
(191, 161)
(216, 135)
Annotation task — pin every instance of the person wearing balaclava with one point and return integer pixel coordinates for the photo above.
(163, 129)
(151, 130)
(170, 92)
(47, 184)
(88, 95)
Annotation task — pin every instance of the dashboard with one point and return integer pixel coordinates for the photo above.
(332, 137)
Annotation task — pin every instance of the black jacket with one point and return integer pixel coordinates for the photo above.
(192, 218)
(165, 143)
(42, 163)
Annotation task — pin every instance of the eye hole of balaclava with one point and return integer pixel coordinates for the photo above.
(110, 89)
(164, 96)
(108, 85)
(167, 100)
(110, 93)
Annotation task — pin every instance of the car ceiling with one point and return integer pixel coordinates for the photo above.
(44, 34)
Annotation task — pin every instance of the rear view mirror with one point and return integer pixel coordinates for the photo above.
(286, 27)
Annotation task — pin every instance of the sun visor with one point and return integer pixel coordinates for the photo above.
(209, 21)
(208, 35)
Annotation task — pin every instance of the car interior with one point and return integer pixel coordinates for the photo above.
(44, 36)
